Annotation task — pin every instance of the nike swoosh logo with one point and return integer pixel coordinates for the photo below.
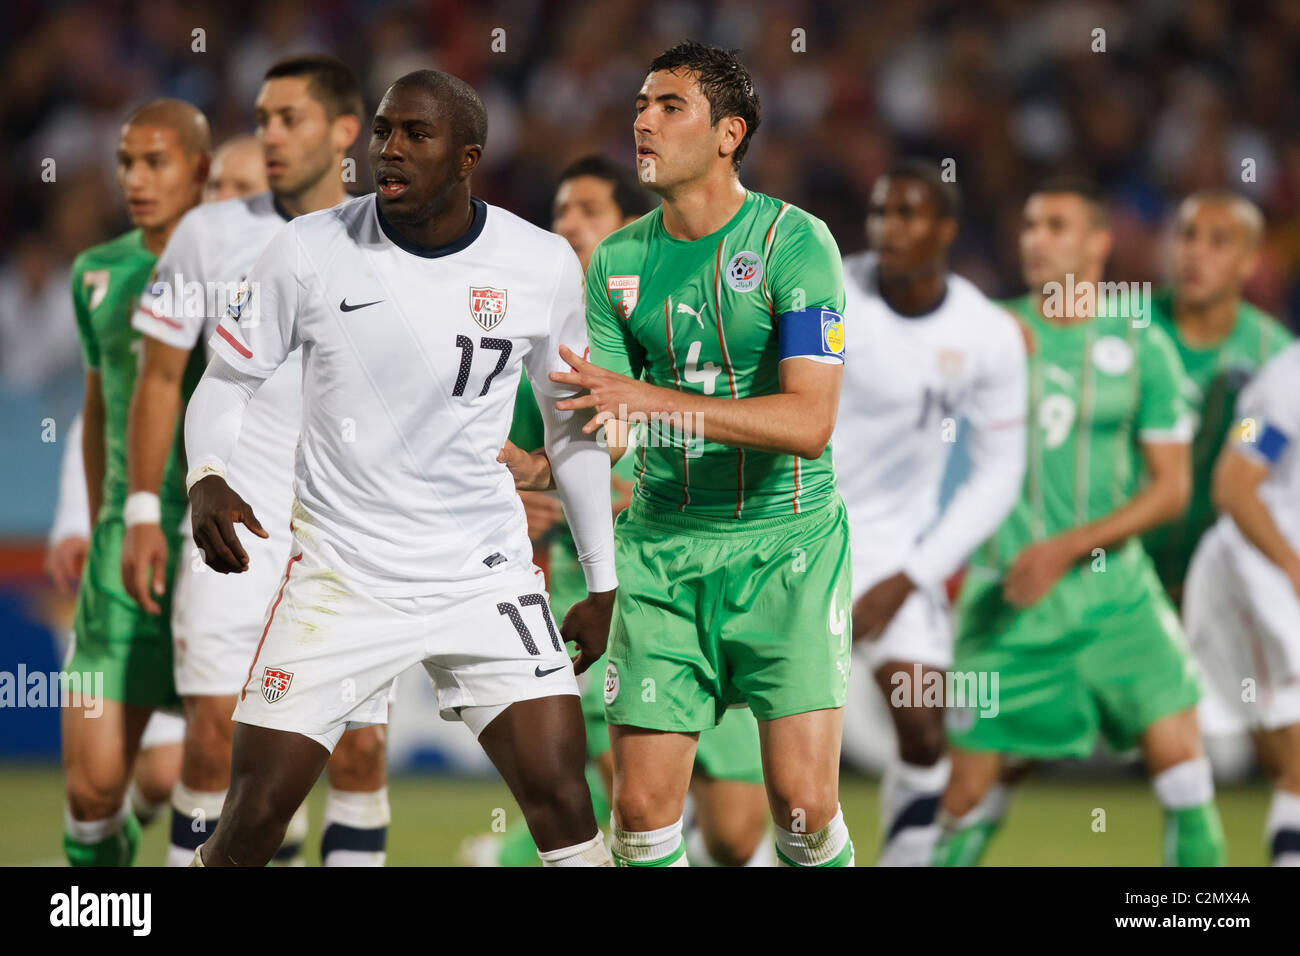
(344, 307)
(541, 673)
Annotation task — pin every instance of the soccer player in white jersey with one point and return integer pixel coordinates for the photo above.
(238, 170)
(939, 352)
(1242, 600)
(309, 113)
(415, 309)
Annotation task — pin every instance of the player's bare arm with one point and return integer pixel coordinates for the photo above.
(1038, 567)
(92, 442)
(151, 428)
(1237, 478)
(796, 421)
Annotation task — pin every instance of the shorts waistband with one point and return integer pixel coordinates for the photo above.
(675, 521)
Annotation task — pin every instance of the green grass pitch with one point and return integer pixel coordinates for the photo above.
(1051, 821)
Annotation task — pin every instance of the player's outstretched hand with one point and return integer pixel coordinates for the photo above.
(531, 471)
(875, 609)
(215, 508)
(609, 394)
(64, 562)
(144, 565)
(587, 625)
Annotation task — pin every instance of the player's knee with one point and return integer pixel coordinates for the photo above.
(804, 807)
(732, 841)
(921, 741)
(639, 809)
(359, 759)
(94, 797)
(208, 741)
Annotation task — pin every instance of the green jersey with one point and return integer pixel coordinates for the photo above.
(703, 317)
(1217, 373)
(107, 282)
(1097, 389)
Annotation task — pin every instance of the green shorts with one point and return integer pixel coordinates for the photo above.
(1101, 653)
(712, 613)
(113, 636)
(729, 751)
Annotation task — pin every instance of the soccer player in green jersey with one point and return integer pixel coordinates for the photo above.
(716, 319)
(162, 164)
(1062, 605)
(1222, 341)
(596, 196)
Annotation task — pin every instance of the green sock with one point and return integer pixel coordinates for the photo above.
(116, 849)
(964, 846)
(518, 848)
(1194, 837)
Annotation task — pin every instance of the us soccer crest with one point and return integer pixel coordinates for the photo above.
(275, 684)
(488, 306)
(623, 291)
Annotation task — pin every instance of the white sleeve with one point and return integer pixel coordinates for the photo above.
(72, 513)
(165, 312)
(215, 412)
(260, 327)
(996, 443)
(580, 463)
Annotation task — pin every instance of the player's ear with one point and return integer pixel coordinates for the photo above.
(470, 154)
(344, 131)
(947, 230)
(733, 130)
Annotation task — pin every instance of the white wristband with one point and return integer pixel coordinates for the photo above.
(202, 471)
(142, 507)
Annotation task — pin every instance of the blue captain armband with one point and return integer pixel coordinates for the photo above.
(812, 333)
(1269, 444)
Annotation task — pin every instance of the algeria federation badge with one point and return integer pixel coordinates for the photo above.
(487, 306)
(623, 292)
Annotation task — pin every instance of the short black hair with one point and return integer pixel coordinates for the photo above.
(945, 195)
(468, 114)
(329, 81)
(723, 80)
(629, 196)
(1074, 185)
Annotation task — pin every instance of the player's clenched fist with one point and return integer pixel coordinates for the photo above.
(215, 509)
(587, 625)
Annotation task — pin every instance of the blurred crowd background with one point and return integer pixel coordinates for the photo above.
(1186, 94)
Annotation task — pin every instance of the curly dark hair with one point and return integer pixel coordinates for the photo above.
(722, 79)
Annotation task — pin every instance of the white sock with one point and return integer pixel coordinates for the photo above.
(145, 811)
(991, 809)
(356, 828)
(1184, 785)
(909, 809)
(194, 817)
(1282, 830)
(662, 847)
(828, 844)
(94, 831)
(591, 853)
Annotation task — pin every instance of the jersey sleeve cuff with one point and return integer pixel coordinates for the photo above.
(166, 330)
(600, 576)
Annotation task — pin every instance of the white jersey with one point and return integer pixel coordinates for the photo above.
(905, 392)
(206, 260)
(1268, 430)
(411, 360)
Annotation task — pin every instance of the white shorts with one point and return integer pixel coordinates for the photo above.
(330, 652)
(217, 618)
(1242, 619)
(920, 632)
(162, 729)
